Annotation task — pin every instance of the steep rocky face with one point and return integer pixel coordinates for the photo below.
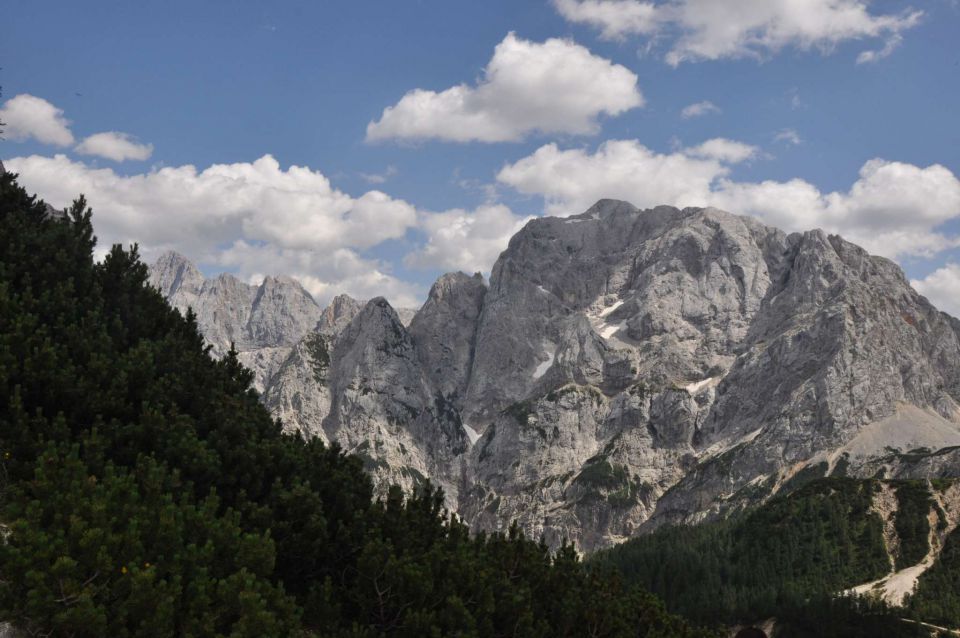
(297, 393)
(444, 333)
(263, 322)
(359, 381)
(845, 370)
(610, 329)
(703, 361)
(384, 408)
(177, 279)
(629, 368)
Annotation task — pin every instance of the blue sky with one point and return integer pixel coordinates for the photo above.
(585, 99)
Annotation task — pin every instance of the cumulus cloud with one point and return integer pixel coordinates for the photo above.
(464, 240)
(892, 209)
(256, 217)
(572, 180)
(942, 288)
(556, 86)
(115, 146)
(720, 148)
(715, 29)
(614, 18)
(27, 116)
(699, 109)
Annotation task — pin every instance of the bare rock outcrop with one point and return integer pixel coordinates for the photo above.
(262, 322)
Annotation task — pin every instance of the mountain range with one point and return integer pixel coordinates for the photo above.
(621, 370)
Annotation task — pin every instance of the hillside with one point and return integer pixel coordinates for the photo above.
(797, 556)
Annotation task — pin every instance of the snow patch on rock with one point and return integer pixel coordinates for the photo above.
(550, 351)
(611, 329)
(472, 434)
(696, 386)
(610, 309)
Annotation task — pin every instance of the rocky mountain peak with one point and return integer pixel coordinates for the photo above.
(172, 273)
(626, 368)
(444, 331)
(340, 311)
(262, 322)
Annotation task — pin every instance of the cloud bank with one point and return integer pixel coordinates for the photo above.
(699, 30)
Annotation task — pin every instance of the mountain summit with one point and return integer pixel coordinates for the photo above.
(624, 368)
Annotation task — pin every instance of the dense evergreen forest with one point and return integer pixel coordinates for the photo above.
(146, 492)
(937, 599)
(788, 558)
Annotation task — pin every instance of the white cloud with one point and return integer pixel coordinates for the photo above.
(324, 274)
(942, 288)
(467, 241)
(699, 109)
(729, 151)
(715, 29)
(614, 18)
(788, 136)
(379, 178)
(27, 116)
(281, 221)
(875, 55)
(115, 146)
(573, 180)
(556, 86)
(893, 209)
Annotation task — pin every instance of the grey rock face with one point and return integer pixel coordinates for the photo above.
(640, 367)
(630, 368)
(384, 408)
(444, 333)
(263, 322)
(294, 394)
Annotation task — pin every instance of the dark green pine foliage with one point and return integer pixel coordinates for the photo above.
(830, 616)
(144, 491)
(937, 598)
(914, 504)
(822, 538)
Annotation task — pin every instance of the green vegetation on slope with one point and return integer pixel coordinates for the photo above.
(913, 529)
(144, 491)
(779, 560)
(937, 598)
